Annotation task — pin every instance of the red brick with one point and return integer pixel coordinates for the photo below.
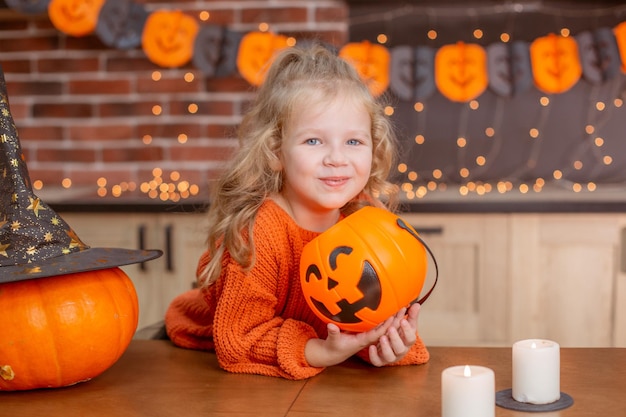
(205, 108)
(65, 110)
(221, 131)
(143, 153)
(41, 132)
(19, 111)
(171, 130)
(99, 87)
(274, 15)
(34, 88)
(168, 85)
(331, 14)
(227, 84)
(65, 155)
(63, 65)
(101, 132)
(42, 43)
(122, 63)
(200, 153)
(15, 65)
(90, 43)
(121, 109)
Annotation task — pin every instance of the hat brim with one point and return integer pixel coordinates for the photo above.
(90, 259)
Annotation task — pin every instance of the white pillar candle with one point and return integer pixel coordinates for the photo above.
(536, 371)
(468, 391)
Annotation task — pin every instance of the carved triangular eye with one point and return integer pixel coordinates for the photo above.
(332, 283)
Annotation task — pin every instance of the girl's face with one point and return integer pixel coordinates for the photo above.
(326, 157)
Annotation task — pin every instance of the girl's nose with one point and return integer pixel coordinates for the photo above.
(334, 156)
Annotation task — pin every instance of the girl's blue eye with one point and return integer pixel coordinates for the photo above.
(354, 142)
(312, 141)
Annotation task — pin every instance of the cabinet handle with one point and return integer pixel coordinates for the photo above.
(428, 230)
(141, 234)
(169, 256)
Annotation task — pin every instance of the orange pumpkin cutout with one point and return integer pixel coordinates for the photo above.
(65, 329)
(372, 63)
(75, 17)
(363, 270)
(461, 71)
(620, 36)
(555, 63)
(168, 38)
(255, 55)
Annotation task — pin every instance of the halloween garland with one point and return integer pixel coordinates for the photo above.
(460, 71)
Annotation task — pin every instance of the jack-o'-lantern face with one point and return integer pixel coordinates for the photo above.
(256, 52)
(75, 17)
(354, 292)
(363, 270)
(461, 71)
(168, 38)
(371, 62)
(555, 63)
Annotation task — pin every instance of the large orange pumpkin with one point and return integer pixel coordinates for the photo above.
(555, 63)
(461, 71)
(372, 63)
(61, 330)
(363, 270)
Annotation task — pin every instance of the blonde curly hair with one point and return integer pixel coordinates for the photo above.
(251, 175)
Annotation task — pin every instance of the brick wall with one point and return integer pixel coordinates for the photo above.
(85, 112)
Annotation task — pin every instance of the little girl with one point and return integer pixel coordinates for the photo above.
(315, 147)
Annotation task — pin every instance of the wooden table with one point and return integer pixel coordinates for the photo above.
(155, 379)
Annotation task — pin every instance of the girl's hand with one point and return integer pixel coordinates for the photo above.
(398, 339)
(339, 346)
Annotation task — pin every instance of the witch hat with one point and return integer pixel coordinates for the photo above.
(35, 242)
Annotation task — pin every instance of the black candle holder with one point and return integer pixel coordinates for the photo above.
(505, 399)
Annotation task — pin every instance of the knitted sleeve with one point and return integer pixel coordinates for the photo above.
(249, 333)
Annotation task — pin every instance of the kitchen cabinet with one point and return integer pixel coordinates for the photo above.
(507, 277)
(180, 236)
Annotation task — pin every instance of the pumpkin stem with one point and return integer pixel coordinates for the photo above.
(6, 372)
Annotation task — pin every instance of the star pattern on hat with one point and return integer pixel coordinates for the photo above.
(29, 230)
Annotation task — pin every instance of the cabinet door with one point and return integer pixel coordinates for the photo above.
(619, 328)
(469, 304)
(184, 236)
(563, 274)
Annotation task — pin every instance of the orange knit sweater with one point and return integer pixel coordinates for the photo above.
(258, 322)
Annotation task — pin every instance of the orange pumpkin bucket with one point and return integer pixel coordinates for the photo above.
(364, 269)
